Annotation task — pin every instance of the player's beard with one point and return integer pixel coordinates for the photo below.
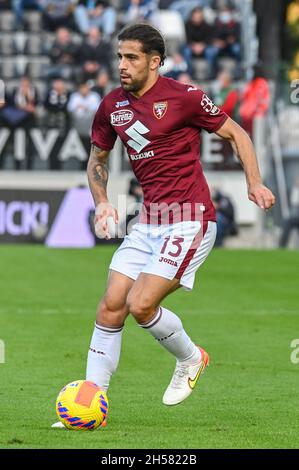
(136, 84)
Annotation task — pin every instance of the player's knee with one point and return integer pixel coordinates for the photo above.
(141, 309)
(110, 314)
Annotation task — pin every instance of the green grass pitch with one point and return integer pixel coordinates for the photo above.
(244, 310)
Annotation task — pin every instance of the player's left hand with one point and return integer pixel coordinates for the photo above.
(261, 196)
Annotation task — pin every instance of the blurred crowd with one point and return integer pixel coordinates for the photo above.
(212, 29)
(63, 107)
(80, 72)
(78, 39)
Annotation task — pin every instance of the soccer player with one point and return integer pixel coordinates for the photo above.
(159, 121)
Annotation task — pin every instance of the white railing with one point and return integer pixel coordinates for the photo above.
(250, 41)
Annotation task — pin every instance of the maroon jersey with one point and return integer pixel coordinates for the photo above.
(161, 133)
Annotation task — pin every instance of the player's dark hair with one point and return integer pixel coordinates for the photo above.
(150, 38)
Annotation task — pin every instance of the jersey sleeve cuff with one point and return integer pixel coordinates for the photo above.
(220, 124)
(101, 146)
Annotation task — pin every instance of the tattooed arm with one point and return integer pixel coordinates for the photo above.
(97, 172)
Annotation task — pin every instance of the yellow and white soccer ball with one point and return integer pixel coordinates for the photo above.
(82, 405)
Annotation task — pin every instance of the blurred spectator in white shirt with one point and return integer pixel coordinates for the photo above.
(82, 107)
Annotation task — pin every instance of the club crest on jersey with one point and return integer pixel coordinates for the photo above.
(159, 109)
(121, 117)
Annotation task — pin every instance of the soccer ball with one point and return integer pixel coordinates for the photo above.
(82, 405)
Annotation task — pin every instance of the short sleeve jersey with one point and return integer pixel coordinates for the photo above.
(161, 132)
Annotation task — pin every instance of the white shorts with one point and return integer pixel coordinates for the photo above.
(169, 251)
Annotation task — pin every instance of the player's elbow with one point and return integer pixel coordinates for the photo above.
(232, 131)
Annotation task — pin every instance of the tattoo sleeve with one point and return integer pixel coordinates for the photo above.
(97, 172)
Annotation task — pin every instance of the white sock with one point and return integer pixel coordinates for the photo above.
(103, 355)
(168, 330)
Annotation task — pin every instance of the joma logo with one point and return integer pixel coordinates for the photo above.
(168, 261)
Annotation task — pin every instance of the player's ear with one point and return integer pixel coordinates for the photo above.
(155, 62)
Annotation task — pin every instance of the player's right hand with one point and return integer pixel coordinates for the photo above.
(104, 210)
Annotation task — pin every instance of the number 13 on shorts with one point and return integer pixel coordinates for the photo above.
(175, 249)
(177, 242)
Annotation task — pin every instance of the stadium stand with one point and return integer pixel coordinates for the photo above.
(26, 50)
(29, 47)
